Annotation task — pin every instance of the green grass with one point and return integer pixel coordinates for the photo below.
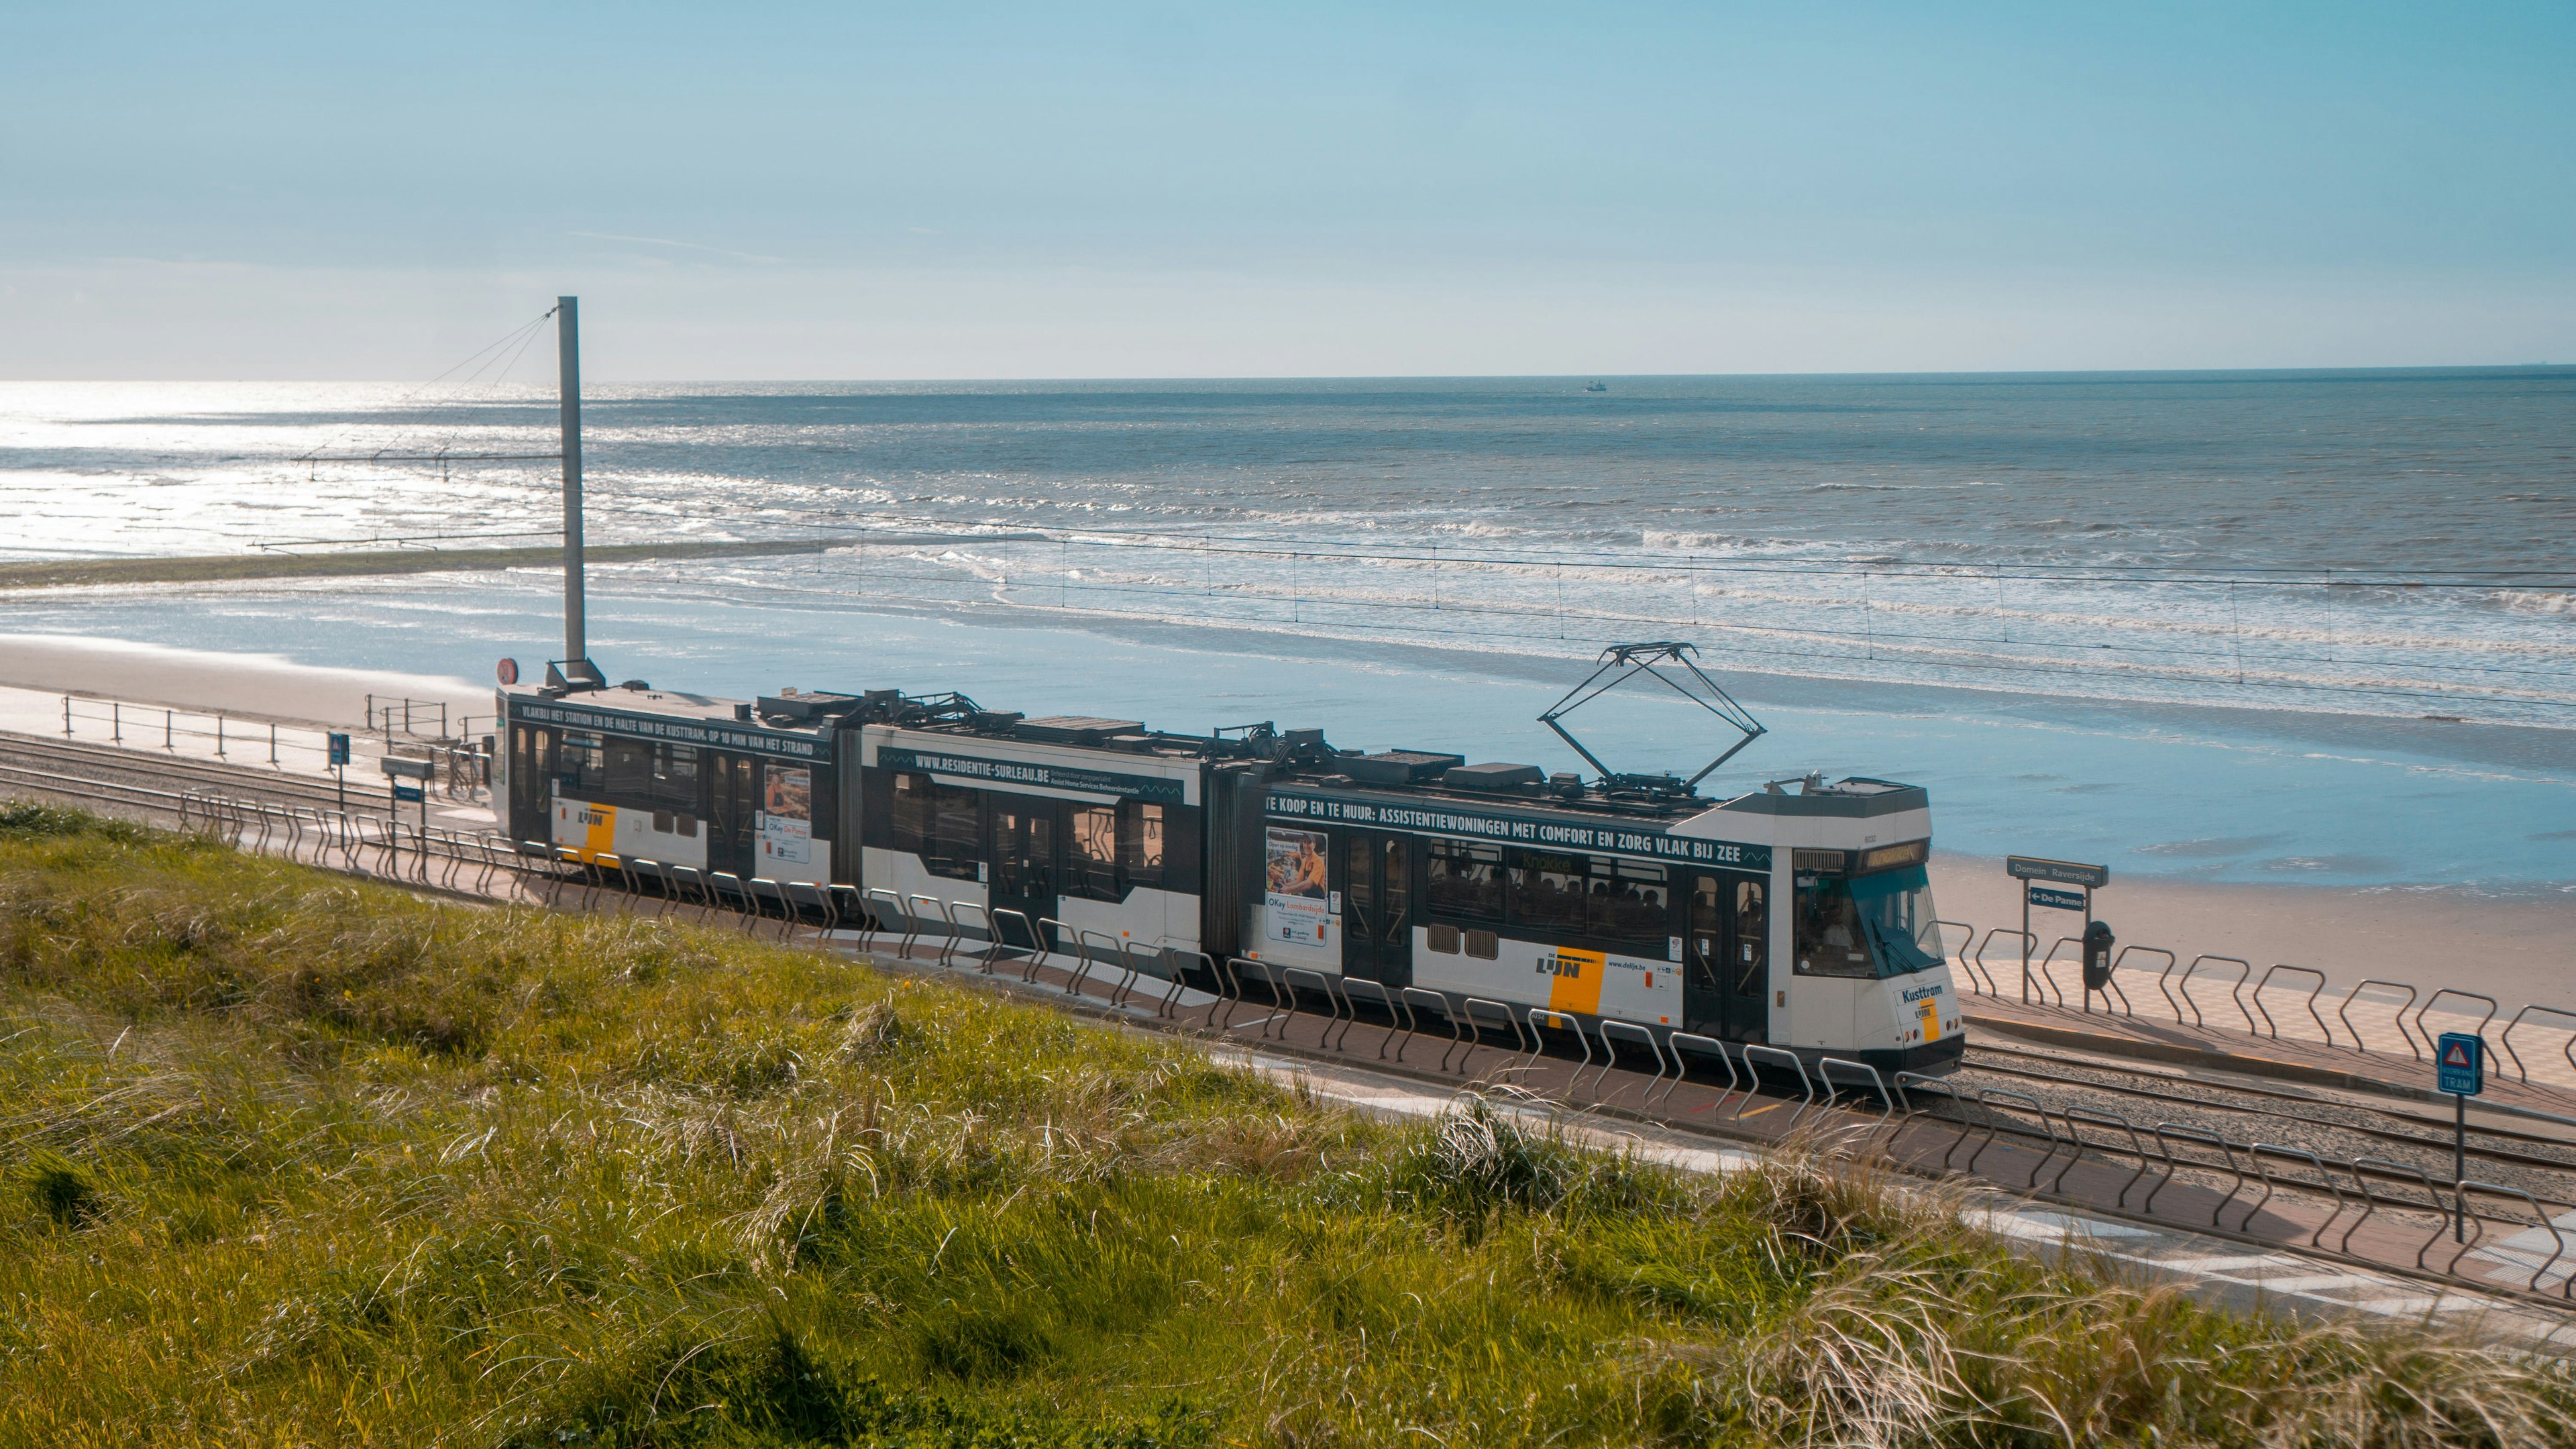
(290, 1160)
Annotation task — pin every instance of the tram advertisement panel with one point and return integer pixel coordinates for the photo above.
(786, 822)
(1295, 876)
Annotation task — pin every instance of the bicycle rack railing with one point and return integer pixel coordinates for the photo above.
(2384, 1168)
(2479, 1030)
(2044, 961)
(2273, 1030)
(2111, 983)
(892, 918)
(1961, 953)
(1002, 916)
(729, 894)
(1282, 1004)
(1129, 968)
(1414, 996)
(1052, 934)
(1475, 1034)
(2541, 1220)
(1228, 994)
(1178, 980)
(1610, 1056)
(2245, 969)
(1090, 947)
(2256, 1152)
(827, 911)
(2506, 1041)
(936, 912)
(1289, 976)
(2343, 1011)
(1755, 1052)
(1705, 1046)
(2025, 939)
(958, 913)
(1856, 1073)
(1388, 1000)
(1987, 1098)
(2071, 1116)
(758, 892)
(1538, 1016)
(2166, 1134)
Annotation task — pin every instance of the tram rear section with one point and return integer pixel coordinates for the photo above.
(1797, 915)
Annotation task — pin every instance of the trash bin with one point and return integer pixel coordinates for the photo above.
(2097, 956)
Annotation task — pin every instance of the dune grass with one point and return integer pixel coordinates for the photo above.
(286, 1159)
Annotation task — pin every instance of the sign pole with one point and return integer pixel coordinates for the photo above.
(2459, 1169)
(2460, 1070)
(2025, 947)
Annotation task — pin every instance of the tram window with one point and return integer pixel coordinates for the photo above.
(1466, 880)
(1629, 902)
(1443, 939)
(1093, 862)
(580, 760)
(909, 821)
(1872, 925)
(1896, 915)
(675, 779)
(1549, 892)
(955, 845)
(1140, 842)
(630, 769)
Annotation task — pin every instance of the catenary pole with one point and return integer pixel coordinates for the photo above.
(568, 350)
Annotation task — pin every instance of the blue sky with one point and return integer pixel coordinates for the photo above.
(1167, 190)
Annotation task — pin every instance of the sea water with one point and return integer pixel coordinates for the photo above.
(2185, 624)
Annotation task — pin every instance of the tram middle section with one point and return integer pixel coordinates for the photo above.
(1797, 915)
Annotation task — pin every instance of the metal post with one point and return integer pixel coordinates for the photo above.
(219, 737)
(166, 718)
(272, 742)
(116, 722)
(568, 355)
(67, 716)
(2459, 1169)
(2088, 937)
(2025, 943)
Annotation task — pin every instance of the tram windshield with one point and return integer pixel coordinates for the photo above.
(1871, 925)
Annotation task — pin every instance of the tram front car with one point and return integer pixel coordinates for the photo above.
(1797, 917)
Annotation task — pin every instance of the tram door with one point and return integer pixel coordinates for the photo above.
(1020, 861)
(1726, 981)
(1376, 877)
(733, 793)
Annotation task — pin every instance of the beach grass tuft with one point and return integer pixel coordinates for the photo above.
(288, 1159)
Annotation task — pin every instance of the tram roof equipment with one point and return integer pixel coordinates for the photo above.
(1621, 663)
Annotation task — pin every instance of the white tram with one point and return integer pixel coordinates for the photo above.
(1797, 915)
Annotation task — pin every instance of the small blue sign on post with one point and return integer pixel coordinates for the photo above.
(339, 748)
(2460, 1063)
(409, 794)
(2054, 898)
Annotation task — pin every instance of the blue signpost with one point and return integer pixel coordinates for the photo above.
(339, 746)
(2460, 1070)
(2044, 882)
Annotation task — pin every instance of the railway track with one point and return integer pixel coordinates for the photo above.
(2548, 1175)
(36, 760)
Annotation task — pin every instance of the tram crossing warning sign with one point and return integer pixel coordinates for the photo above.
(2460, 1062)
(339, 744)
